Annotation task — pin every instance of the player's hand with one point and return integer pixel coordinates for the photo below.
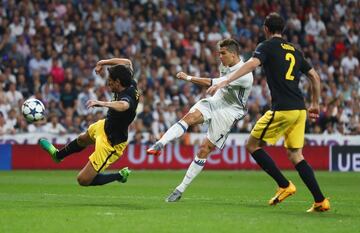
(181, 75)
(98, 69)
(314, 111)
(213, 89)
(93, 103)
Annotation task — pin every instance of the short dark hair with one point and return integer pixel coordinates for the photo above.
(123, 73)
(274, 22)
(230, 44)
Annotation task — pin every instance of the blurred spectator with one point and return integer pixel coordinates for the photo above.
(22, 86)
(349, 62)
(21, 125)
(11, 118)
(53, 126)
(329, 129)
(23, 47)
(4, 104)
(137, 138)
(294, 23)
(37, 63)
(146, 116)
(9, 76)
(36, 127)
(16, 27)
(123, 23)
(15, 56)
(14, 96)
(84, 96)
(159, 126)
(170, 115)
(340, 8)
(68, 97)
(5, 45)
(313, 27)
(72, 125)
(57, 72)
(6, 127)
(76, 123)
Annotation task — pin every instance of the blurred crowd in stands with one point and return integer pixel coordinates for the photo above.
(49, 48)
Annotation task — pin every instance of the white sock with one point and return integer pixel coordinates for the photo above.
(194, 169)
(174, 132)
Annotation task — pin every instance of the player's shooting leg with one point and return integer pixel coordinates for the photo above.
(76, 145)
(180, 127)
(193, 117)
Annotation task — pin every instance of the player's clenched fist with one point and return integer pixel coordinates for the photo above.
(181, 75)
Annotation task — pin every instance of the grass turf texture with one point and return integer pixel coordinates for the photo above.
(217, 201)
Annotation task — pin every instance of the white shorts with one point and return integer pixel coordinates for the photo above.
(220, 119)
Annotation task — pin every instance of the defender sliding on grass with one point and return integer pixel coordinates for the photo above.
(110, 134)
(283, 64)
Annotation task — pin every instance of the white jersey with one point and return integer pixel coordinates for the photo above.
(236, 94)
(226, 107)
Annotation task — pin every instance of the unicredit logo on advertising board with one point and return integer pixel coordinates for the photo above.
(174, 156)
(177, 156)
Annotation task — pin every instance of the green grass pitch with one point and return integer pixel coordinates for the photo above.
(217, 201)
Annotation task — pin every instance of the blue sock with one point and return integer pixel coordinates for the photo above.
(102, 179)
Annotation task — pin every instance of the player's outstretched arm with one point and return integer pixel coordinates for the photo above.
(119, 106)
(112, 62)
(248, 66)
(197, 80)
(314, 109)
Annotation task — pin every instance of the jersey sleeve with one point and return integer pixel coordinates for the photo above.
(260, 52)
(305, 66)
(129, 99)
(215, 81)
(244, 81)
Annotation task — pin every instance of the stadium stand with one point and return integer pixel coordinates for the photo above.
(48, 50)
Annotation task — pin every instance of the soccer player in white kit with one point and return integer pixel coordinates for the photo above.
(221, 112)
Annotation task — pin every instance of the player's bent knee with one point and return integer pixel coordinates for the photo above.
(202, 154)
(83, 181)
(193, 117)
(250, 147)
(295, 155)
(84, 139)
(253, 144)
(204, 151)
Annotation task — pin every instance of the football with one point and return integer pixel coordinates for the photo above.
(33, 110)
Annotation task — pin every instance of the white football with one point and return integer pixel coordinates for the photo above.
(33, 110)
